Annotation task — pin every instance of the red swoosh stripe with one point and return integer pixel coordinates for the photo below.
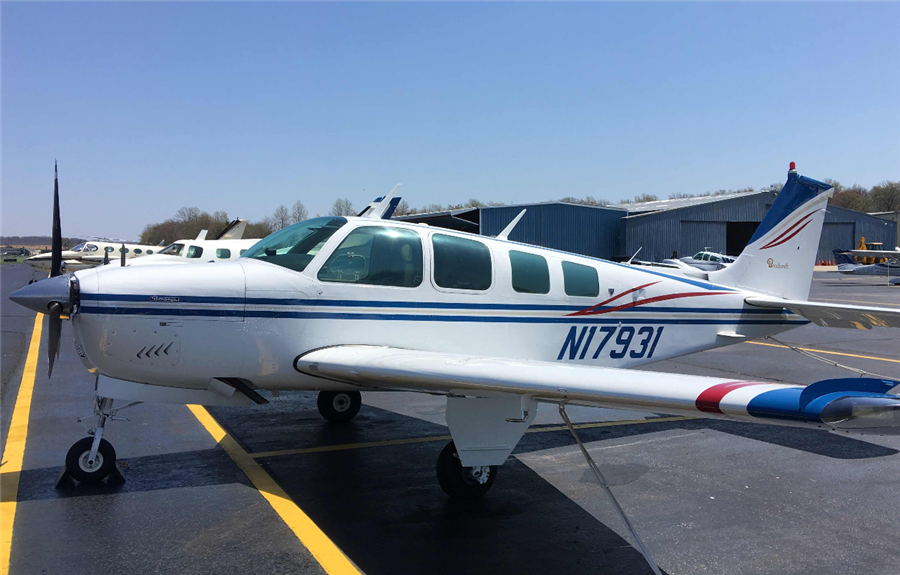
(650, 300)
(603, 303)
(785, 239)
(708, 401)
(787, 231)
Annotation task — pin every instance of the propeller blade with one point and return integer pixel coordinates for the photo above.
(53, 337)
(56, 241)
(122, 251)
(105, 257)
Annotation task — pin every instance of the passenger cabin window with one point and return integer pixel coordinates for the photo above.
(138, 251)
(579, 280)
(194, 252)
(123, 250)
(149, 252)
(109, 249)
(242, 252)
(530, 273)
(376, 255)
(223, 253)
(173, 250)
(460, 263)
(295, 246)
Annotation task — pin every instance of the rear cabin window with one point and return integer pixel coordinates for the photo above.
(376, 255)
(460, 263)
(581, 281)
(137, 251)
(223, 253)
(530, 273)
(194, 252)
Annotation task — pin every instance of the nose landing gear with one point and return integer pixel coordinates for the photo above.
(93, 459)
(339, 405)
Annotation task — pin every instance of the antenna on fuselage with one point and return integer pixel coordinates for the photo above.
(504, 235)
(635, 254)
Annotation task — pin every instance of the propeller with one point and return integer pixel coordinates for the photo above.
(122, 251)
(56, 241)
(53, 337)
(105, 257)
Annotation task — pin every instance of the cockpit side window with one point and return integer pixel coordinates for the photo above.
(90, 248)
(295, 246)
(194, 252)
(460, 263)
(173, 250)
(376, 255)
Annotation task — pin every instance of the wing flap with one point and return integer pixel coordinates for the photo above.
(832, 314)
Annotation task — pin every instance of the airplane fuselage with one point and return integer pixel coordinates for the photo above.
(250, 319)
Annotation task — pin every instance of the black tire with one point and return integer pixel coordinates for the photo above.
(76, 460)
(457, 481)
(339, 405)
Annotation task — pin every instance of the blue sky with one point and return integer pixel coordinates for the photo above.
(246, 106)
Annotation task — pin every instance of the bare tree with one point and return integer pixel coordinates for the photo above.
(298, 212)
(187, 214)
(646, 198)
(342, 207)
(281, 218)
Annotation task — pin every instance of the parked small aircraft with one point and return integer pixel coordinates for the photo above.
(344, 304)
(92, 253)
(889, 268)
(227, 246)
(706, 260)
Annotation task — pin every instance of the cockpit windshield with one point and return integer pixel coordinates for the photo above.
(295, 246)
(79, 247)
(173, 250)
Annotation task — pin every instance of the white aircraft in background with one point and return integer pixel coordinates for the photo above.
(93, 253)
(227, 246)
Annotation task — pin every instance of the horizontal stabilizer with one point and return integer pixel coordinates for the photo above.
(833, 315)
(864, 404)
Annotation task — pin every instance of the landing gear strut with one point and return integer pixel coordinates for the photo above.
(463, 482)
(339, 405)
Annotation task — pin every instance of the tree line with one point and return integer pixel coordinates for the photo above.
(188, 221)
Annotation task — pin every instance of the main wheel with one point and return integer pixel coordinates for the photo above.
(80, 467)
(463, 482)
(339, 405)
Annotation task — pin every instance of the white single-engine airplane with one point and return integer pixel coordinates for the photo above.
(341, 305)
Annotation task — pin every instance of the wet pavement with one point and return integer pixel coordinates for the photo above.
(706, 497)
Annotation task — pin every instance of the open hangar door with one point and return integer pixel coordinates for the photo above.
(737, 236)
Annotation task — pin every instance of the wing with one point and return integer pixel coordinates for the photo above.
(833, 402)
(833, 315)
(875, 253)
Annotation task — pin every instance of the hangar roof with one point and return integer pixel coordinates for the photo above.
(660, 205)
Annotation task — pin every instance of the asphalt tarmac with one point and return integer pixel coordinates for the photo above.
(706, 497)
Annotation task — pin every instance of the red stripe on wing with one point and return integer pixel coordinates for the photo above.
(708, 401)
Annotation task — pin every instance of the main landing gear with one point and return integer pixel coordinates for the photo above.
(93, 458)
(463, 482)
(339, 405)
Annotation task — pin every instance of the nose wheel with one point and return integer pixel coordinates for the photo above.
(339, 405)
(463, 482)
(87, 468)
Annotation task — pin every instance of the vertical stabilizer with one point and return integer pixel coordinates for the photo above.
(781, 254)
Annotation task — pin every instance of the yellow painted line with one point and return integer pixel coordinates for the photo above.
(346, 446)
(855, 301)
(14, 452)
(825, 351)
(322, 548)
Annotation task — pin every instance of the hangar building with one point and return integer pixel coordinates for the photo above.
(661, 229)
